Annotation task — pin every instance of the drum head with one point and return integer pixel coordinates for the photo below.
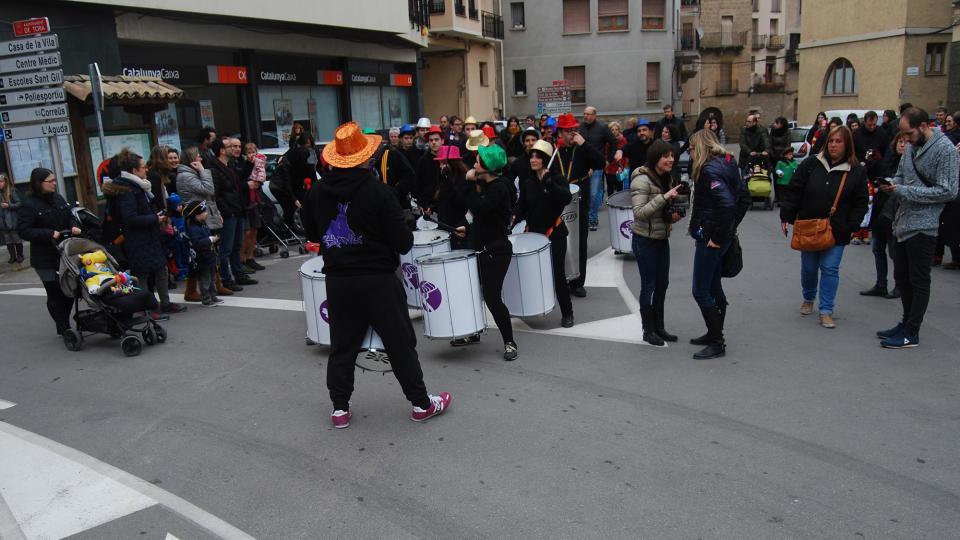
(524, 243)
(449, 256)
(574, 189)
(426, 225)
(425, 238)
(620, 199)
(313, 268)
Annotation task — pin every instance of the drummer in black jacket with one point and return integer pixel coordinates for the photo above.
(543, 196)
(576, 161)
(360, 229)
(488, 199)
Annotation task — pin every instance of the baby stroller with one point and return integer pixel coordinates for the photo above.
(110, 297)
(759, 182)
(275, 235)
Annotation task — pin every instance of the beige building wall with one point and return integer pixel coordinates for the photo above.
(481, 98)
(442, 86)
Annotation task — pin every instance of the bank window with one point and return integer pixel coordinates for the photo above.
(520, 82)
(396, 106)
(576, 16)
(841, 79)
(577, 77)
(314, 107)
(653, 81)
(612, 15)
(484, 80)
(933, 65)
(654, 13)
(517, 16)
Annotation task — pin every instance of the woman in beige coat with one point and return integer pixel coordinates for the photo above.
(651, 194)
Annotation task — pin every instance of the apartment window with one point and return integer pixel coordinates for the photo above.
(841, 79)
(576, 16)
(520, 82)
(774, 27)
(726, 30)
(654, 13)
(577, 77)
(612, 15)
(933, 65)
(653, 81)
(725, 84)
(776, 6)
(484, 81)
(756, 6)
(474, 12)
(517, 15)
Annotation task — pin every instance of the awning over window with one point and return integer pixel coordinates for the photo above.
(123, 89)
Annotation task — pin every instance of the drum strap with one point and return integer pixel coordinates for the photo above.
(383, 166)
(555, 225)
(566, 171)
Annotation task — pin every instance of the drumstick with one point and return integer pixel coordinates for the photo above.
(555, 150)
(443, 226)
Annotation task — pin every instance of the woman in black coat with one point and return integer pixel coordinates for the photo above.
(41, 219)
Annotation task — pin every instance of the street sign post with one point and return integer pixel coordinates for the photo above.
(43, 113)
(35, 131)
(30, 80)
(32, 97)
(96, 85)
(30, 63)
(29, 45)
(554, 100)
(27, 27)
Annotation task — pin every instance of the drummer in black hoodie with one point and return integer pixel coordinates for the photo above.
(360, 228)
(543, 196)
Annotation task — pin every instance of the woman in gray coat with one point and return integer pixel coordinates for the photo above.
(195, 183)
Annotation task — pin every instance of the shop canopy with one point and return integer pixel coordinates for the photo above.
(123, 89)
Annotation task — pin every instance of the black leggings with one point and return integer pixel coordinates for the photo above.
(58, 304)
(493, 268)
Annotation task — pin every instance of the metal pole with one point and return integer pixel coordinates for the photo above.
(96, 87)
(57, 159)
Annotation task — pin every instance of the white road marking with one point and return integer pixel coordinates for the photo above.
(9, 528)
(33, 291)
(55, 491)
(603, 269)
(171, 537)
(6, 405)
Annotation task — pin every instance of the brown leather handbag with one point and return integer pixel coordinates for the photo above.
(816, 234)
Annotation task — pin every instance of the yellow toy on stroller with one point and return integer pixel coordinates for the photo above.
(759, 182)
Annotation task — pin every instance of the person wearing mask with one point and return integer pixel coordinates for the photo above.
(671, 119)
(779, 139)
(489, 199)
(543, 196)
(925, 182)
(754, 142)
(42, 219)
(360, 229)
(881, 220)
(231, 207)
(651, 194)
(598, 136)
(831, 185)
(720, 201)
(576, 159)
(428, 171)
(636, 151)
(613, 169)
(9, 205)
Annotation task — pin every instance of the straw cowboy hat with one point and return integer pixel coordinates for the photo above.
(544, 147)
(350, 147)
(470, 120)
(476, 140)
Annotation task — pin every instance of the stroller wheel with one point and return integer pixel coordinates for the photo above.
(257, 252)
(131, 345)
(284, 254)
(72, 340)
(302, 250)
(149, 335)
(161, 333)
(274, 248)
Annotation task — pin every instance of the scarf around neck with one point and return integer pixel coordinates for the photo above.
(144, 184)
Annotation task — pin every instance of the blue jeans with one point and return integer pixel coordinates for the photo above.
(653, 260)
(707, 264)
(597, 182)
(231, 236)
(824, 265)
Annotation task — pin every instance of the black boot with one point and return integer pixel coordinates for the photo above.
(19, 247)
(13, 253)
(649, 332)
(659, 326)
(715, 347)
(705, 339)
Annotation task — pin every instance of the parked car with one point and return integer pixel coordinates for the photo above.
(798, 141)
(842, 114)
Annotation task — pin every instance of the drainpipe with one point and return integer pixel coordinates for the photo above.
(466, 77)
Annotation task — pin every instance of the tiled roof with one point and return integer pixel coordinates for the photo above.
(122, 88)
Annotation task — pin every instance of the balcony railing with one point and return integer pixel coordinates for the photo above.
(492, 25)
(727, 88)
(420, 11)
(723, 41)
(776, 43)
(688, 43)
(437, 7)
(769, 83)
(653, 95)
(759, 41)
(460, 8)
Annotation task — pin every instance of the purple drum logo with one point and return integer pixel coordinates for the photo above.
(324, 314)
(410, 275)
(625, 229)
(430, 296)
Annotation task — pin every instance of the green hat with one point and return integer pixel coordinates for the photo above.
(494, 157)
(369, 131)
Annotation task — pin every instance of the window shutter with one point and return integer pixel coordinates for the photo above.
(654, 8)
(607, 8)
(576, 16)
(653, 81)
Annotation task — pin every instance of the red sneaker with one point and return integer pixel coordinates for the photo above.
(341, 419)
(438, 404)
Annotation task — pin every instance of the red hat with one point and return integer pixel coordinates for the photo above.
(434, 129)
(489, 132)
(566, 121)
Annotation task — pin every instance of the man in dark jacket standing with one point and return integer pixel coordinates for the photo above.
(357, 222)
(230, 203)
(870, 139)
(597, 135)
(636, 151)
(754, 141)
(670, 119)
(428, 169)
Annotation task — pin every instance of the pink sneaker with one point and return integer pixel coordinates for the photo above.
(341, 419)
(438, 404)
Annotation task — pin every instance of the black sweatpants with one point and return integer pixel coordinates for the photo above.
(584, 230)
(911, 274)
(354, 304)
(493, 266)
(558, 255)
(59, 305)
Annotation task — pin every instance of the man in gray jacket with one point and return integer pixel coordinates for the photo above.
(925, 181)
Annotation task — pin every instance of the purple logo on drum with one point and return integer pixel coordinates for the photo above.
(625, 230)
(430, 296)
(324, 314)
(410, 275)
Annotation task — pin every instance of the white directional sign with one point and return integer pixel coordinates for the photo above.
(32, 97)
(34, 114)
(30, 80)
(33, 131)
(29, 45)
(30, 63)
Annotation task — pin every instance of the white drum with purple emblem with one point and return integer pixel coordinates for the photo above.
(528, 286)
(620, 215)
(314, 286)
(424, 243)
(450, 294)
(571, 217)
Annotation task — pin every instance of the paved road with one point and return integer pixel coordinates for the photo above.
(800, 432)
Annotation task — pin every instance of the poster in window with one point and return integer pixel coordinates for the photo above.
(137, 141)
(168, 129)
(206, 113)
(283, 114)
(396, 117)
(28, 154)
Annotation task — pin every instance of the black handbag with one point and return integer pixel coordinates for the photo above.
(732, 259)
